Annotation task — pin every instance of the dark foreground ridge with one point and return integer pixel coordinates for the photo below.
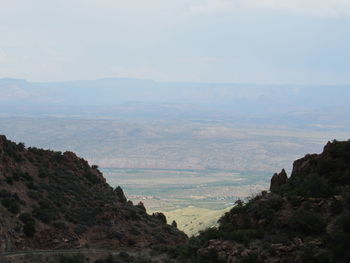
(304, 218)
(50, 200)
(57, 202)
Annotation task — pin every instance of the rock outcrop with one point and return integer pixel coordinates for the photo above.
(278, 180)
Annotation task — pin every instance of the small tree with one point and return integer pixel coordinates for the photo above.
(174, 224)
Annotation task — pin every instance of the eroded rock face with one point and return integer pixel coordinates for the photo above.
(50, 200)
(278, 180)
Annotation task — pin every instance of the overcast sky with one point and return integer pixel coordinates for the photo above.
(255, 41)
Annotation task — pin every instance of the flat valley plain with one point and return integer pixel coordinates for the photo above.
(195, 199)
(166, 190)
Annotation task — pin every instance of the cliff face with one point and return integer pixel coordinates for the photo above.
(304, 218)
(50, 200)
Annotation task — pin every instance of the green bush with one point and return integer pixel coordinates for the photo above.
(275, 202)
(29, 224)
(343, 223)
(10, 201)
(336, 207)
(312, 254)
(60, 225)
(252, 258)
(307, 223)
(339, 245)
(244, 236)
(9, 180)
(313, 185)
(43, 172)
(205, 235)
(72, 259)
(211, 257)
(45, 215)
(91, 177)
(19, 175)
(109, 259)
(11, 205)
(13, 150)
(35, 195)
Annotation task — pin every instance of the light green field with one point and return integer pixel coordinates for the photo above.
(168, 190)
(195, 199)
(192, 219)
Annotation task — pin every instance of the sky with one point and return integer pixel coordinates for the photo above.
(253, 41)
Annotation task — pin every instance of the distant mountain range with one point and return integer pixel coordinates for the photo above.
(130, 99)
(250, 98)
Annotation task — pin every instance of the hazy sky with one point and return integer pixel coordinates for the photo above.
(260, 41)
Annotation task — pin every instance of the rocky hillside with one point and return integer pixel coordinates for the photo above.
(50, 200)
(303, 218)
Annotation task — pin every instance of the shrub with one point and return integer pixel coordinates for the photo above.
(91, 177)
(160, 216)
(294, 199)
(312, 254)
(60, 225)
(80, 229)
(43, 172)
(210, 257)
(207, 234)
(307, 223)
(252, 258)
(339, 246)
(174, 224)
(57, 156)
(343, 223)
(34, 195)
(72, 259)
(336, 207)
(9, 180)
(313, 185)
(29, 224)
(109, 259)
(10, 201)
(275, 202)
(244, 236)
(18, 175)
(13, 151)
(11, 205)
(45, 215)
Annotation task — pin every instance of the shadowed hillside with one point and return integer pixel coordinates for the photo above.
(50, 200)
(304, 218)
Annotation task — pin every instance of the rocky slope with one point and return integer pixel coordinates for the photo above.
(50, 200)
(303, 218)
